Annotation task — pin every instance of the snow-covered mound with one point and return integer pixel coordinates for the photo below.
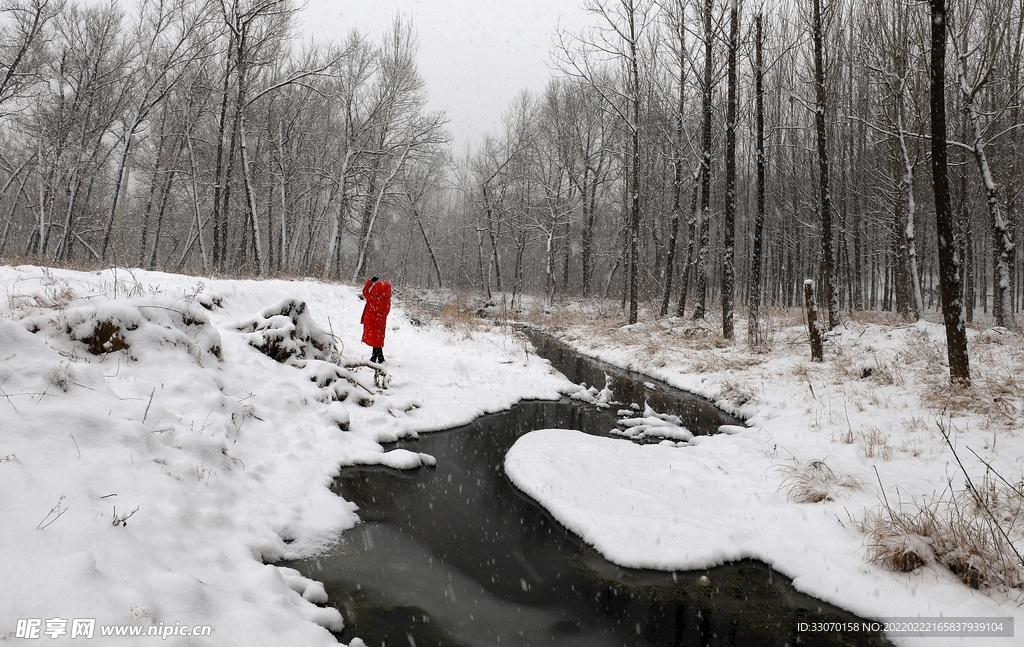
(138, 325)
(844, 478)
(156, 460)
(286, 331)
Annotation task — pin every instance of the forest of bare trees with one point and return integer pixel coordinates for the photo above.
(203, 136)
(685, 153)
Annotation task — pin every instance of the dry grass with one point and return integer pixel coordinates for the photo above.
(787, 317)
(460, 320)
(952, 532)
(878, 317)
(766, 335)
(912, 446)
(875, 443)
(997, 398)
(56, 294)
(737, 392)
(814, 481)
(918, 347)
(879, 367)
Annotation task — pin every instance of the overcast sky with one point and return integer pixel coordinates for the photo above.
(475, 55)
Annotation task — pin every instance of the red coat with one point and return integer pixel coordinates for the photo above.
(375, 312)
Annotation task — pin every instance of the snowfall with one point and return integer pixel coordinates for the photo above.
(166, 439)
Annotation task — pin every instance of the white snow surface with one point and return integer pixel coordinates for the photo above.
(153, 476)
(682, 506)
(214, 459)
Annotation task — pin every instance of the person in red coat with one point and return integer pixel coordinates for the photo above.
(375, 316)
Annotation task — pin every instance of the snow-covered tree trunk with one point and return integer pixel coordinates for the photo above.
(1002, 236)
(907, 181)
(949, 261)
(678, 176)
(691, 242)
(729, 233)
(250, 193)
(829, 294)
(813, 327)
(634, 132)
(705, 192)
(754, 315)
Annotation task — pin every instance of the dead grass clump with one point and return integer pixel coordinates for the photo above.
(699, 335)
(902, 542)
(737, 392)
(124, 282)
(814, 481)
(875, 443)
(763, 337)
(1002, 401)
(912, 446)
(654, 344)
(886, 371)
(950, 398)
(802, 371)
(879, 317)
(919, 347)
(560, 318)
(995, 336)
(458, 319)
(844, 368)
(786, 317)
(56, 294)
(1004, 500)
(950, 532)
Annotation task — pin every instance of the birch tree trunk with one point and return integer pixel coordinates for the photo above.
(729, 234)
(705, 183)
(754, 316)
(828, 290)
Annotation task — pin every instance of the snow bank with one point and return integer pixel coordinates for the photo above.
(870, 412)
(154, 462)
(715, 501)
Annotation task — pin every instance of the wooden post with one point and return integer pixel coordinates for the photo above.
(817, 353)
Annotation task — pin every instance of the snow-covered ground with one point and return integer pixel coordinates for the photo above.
(153, 462)
(857, 432)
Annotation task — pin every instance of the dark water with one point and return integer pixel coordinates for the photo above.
(457, 556)
(630, 388)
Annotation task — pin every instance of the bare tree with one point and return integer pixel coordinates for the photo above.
(707, 88)
(169, 40)
(728, 253)
(754, 313)
(828, 289)
(404, 131)
(623, 26)
(20, 36)
(949, 261)
(983, 51)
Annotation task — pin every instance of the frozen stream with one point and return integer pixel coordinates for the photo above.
(456, 555)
